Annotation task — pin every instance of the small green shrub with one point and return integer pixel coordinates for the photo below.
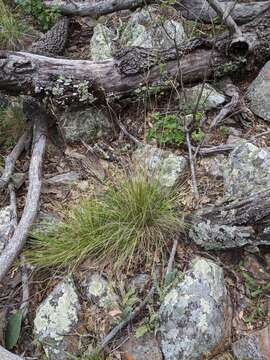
(167, 129)
(11, 28)
(45, 16)
(12, 123)
(197, 135)
(129, 221)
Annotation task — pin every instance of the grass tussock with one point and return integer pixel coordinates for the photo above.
(130, 222)
(11, 28)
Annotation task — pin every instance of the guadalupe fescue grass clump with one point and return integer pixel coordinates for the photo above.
(129, 222)
(11, 28)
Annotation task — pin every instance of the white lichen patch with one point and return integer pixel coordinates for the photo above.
(58, 314)
(101, 292)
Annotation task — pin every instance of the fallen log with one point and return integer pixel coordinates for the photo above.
(233, 223)
(15, 244)
(191, 9)
(133, 70)
(95, 8)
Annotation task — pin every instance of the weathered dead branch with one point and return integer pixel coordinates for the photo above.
(16, 243)
(14, 156)
(191, 9)
(6, 355)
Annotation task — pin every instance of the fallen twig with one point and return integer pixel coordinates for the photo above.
(16, 243)
(125, 132)
(192, 166)
(172, 256)
(219, 149)
(13, 157)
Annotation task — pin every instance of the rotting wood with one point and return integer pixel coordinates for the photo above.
(133, 70)
(15, 244)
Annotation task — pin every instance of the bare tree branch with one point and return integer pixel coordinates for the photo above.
(17, 241)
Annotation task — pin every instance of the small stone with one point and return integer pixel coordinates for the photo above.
(247, 170)
(139, 282)
(64, 179)
(56, 318)
(258, 94)
(18, 180)
(87, 125)
(168, 167)
(255, 346)
(210, 98)
(193, 313)
(214, 166)
(142, 348)
(101, 292)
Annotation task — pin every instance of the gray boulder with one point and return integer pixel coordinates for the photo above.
(247, 170)
(57, 317)
(6, 225)
(88, 124)
(192, 314)
(143, 30)
(258, 93)
(101, 44)
(165, 165)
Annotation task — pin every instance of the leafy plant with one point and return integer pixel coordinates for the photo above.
(45, 16)
(167, 129)
(13, 329)
(197, 135)
(131, 220)
(256, 292)
(11, 123)
(11, 28)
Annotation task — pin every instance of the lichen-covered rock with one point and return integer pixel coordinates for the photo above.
(213, 166)
(166, 166)
(101, 45)
(142, 348)
(255, 346)
(57, 317)
(143, 31)
(210, 98)
(258, 93)
(6, 225)
(192, 314)
(88, 124)
(247, 170)
(101, 292)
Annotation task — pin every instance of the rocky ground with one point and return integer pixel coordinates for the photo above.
(217, 306)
